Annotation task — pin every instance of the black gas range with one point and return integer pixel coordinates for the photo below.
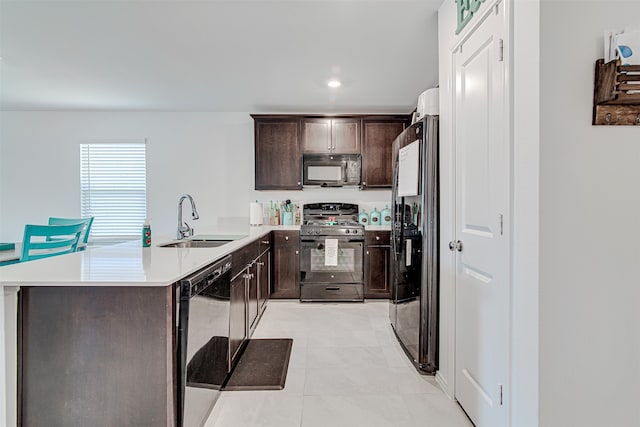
(331, 253)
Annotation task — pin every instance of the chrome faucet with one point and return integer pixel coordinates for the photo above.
(183, 229)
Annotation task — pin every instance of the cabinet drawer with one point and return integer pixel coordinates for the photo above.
(332, 292)
(286, 237)
(243, 257)
(379, 238)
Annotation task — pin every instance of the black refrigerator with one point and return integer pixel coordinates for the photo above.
(413, 308)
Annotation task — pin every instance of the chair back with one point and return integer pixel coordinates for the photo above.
(64, 240)
(88, 222)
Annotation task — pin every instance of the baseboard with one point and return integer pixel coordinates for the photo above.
(444, 385)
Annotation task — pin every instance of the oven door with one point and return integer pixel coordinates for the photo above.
(316, 266)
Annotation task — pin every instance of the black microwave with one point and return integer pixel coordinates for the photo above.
(331, 170)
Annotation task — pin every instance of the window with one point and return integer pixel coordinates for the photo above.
(113, 188)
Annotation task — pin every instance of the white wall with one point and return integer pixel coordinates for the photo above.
(209, 155)
(525, 77)
(589, 209)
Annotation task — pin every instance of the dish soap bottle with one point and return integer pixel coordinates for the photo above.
(375, 217)
(146, 234)
(363, 218)
(385, 216)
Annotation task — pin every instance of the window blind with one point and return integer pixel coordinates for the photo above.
(113, 188)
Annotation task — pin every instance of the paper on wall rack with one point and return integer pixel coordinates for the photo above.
(331, 252)
(611, 42)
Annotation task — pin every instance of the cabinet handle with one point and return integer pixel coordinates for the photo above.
(286, 237)
(367, 252)
(298, 182)
(260, 264)
(296, 252)
(329, 148)
(377, 237)
(265, 242)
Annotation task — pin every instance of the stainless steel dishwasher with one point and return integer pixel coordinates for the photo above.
(203, 341)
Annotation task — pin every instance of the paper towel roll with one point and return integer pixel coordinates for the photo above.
(255, 214)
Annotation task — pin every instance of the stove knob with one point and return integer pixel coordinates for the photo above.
(347, 231)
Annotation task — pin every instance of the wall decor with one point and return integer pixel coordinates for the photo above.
(616, 94)
(466, 9)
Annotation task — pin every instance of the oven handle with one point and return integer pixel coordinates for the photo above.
(322, 239)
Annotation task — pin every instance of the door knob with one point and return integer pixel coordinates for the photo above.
(455, 246)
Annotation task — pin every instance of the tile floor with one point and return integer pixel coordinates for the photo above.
(346, 370)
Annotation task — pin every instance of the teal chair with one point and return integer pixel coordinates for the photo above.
(63, 239)
(84, 238)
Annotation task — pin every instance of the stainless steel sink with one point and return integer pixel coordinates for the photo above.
(196, 244)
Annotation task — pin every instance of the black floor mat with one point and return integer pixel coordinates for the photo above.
(262, 366)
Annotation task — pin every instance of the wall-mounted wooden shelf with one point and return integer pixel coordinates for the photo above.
(616, 95)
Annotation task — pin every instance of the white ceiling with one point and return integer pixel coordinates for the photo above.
(183, 55)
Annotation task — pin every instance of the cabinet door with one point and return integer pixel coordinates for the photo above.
(377, 262)
(264, 278)
(277, 154)
(237, 314)
(286, 264)
(316, 136)
(377, 165)
(345, 136)
(252, 302)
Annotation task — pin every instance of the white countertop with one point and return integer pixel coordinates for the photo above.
(125, 264)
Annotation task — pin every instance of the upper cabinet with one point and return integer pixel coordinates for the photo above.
(378, 136)
(281, 141)
(331, 136)
(277, 154)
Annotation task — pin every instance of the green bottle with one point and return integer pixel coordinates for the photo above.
(146, 234)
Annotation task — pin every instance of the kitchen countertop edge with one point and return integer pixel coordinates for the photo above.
(126, 264)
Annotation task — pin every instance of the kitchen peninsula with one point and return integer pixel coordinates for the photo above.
(96, 339)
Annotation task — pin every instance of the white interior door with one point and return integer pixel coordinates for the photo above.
(482, 205)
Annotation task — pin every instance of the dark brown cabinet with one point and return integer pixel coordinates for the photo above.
(281, 140)
(378, 136)
(377, 264)
(277, 154)
(286, 264)
(238, 313)
(252, 302)
(340, 135)
(263, 273)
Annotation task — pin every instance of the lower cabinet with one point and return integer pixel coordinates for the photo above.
(238, 313)
(286, 264)
(377, 265)
(263, 273)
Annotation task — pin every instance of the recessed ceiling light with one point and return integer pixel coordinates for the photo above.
(334, 83)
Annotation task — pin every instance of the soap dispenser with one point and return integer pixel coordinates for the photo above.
(363, 218)
(385, 216)
(375, 217)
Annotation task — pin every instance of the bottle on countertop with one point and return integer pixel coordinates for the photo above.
(385, 216)
(375, 217)
(363, 218)
(146, 233)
